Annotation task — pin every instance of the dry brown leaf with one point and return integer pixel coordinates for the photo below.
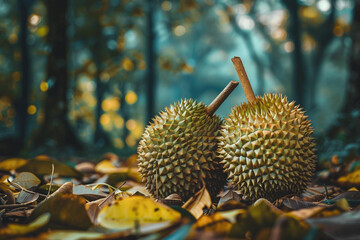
(27, 180)
(198, 202)
(14, 229)
(86, 167)
(88, 192)
(228, 195)
(25, 197)
(215, 223)
(65, 188)
(93, 208)
(67, 210)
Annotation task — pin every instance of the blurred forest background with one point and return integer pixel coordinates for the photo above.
(84, 77)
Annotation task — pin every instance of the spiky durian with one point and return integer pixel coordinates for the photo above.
(267, 148)
(178, 150)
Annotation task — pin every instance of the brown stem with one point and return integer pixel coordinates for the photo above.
(244, 80)
(210, 110)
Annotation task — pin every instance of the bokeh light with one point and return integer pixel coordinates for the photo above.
(179, 30)
(31, 109)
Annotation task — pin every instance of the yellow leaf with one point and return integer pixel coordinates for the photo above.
(14, 229)
(351, 179)
(12, 164)
(123, 173)
(70, 234)
(136, 212)
(215, 223)
(105, 166)
(196, 203)
(27, 180)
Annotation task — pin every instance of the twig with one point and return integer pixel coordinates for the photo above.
(24, 189)
(326, 192)
(10, 196)
(244, 80)
(51, 180)
(211, 109)
(108, 196)
(97, 184)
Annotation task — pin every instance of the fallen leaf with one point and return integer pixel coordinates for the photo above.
(173, 200)
(343, 226)
(137, 212)
(26, 197)
(260, 218)
(27, 203)
(105, 166)
(70, 235)
(86, 167)
(93, 208)
(351, 179)
(198, 202)
(19, 212)
(27, 180)
(88, 192)
(42, 166)
(228, 195)
(139, 189)
(215, 223)
(321, 211)
(14, 229)
(298, 204)
(352, 197)
(65, 188)
(12, 164)
(67, 210)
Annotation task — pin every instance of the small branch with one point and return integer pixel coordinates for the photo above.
(211, 109)
(51, 180)
(111, 194)
(244, 80)
(24, 189)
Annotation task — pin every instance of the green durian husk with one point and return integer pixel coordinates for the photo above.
(267, 148)
(178, 150)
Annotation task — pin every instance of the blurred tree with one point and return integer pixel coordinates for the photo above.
(272, 27)
(55, 130)
(353, 88)
(150, 59)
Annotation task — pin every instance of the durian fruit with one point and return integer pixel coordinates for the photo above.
(177, 152)
(266, 145)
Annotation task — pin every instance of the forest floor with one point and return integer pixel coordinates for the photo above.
(44, 198)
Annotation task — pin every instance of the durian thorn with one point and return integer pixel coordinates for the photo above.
(211, 109)
(244, 80)
(156, 184)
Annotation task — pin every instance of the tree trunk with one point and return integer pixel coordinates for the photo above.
(25, 67)
(55, 130)
(100, 137)
(150, 74)
(353, 88)
(295, 34)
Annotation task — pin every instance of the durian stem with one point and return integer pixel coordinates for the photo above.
(211, 109)
(244, 80)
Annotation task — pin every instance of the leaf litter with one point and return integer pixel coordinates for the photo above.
(43, 198)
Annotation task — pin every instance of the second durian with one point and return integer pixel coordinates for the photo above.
(267, 147)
